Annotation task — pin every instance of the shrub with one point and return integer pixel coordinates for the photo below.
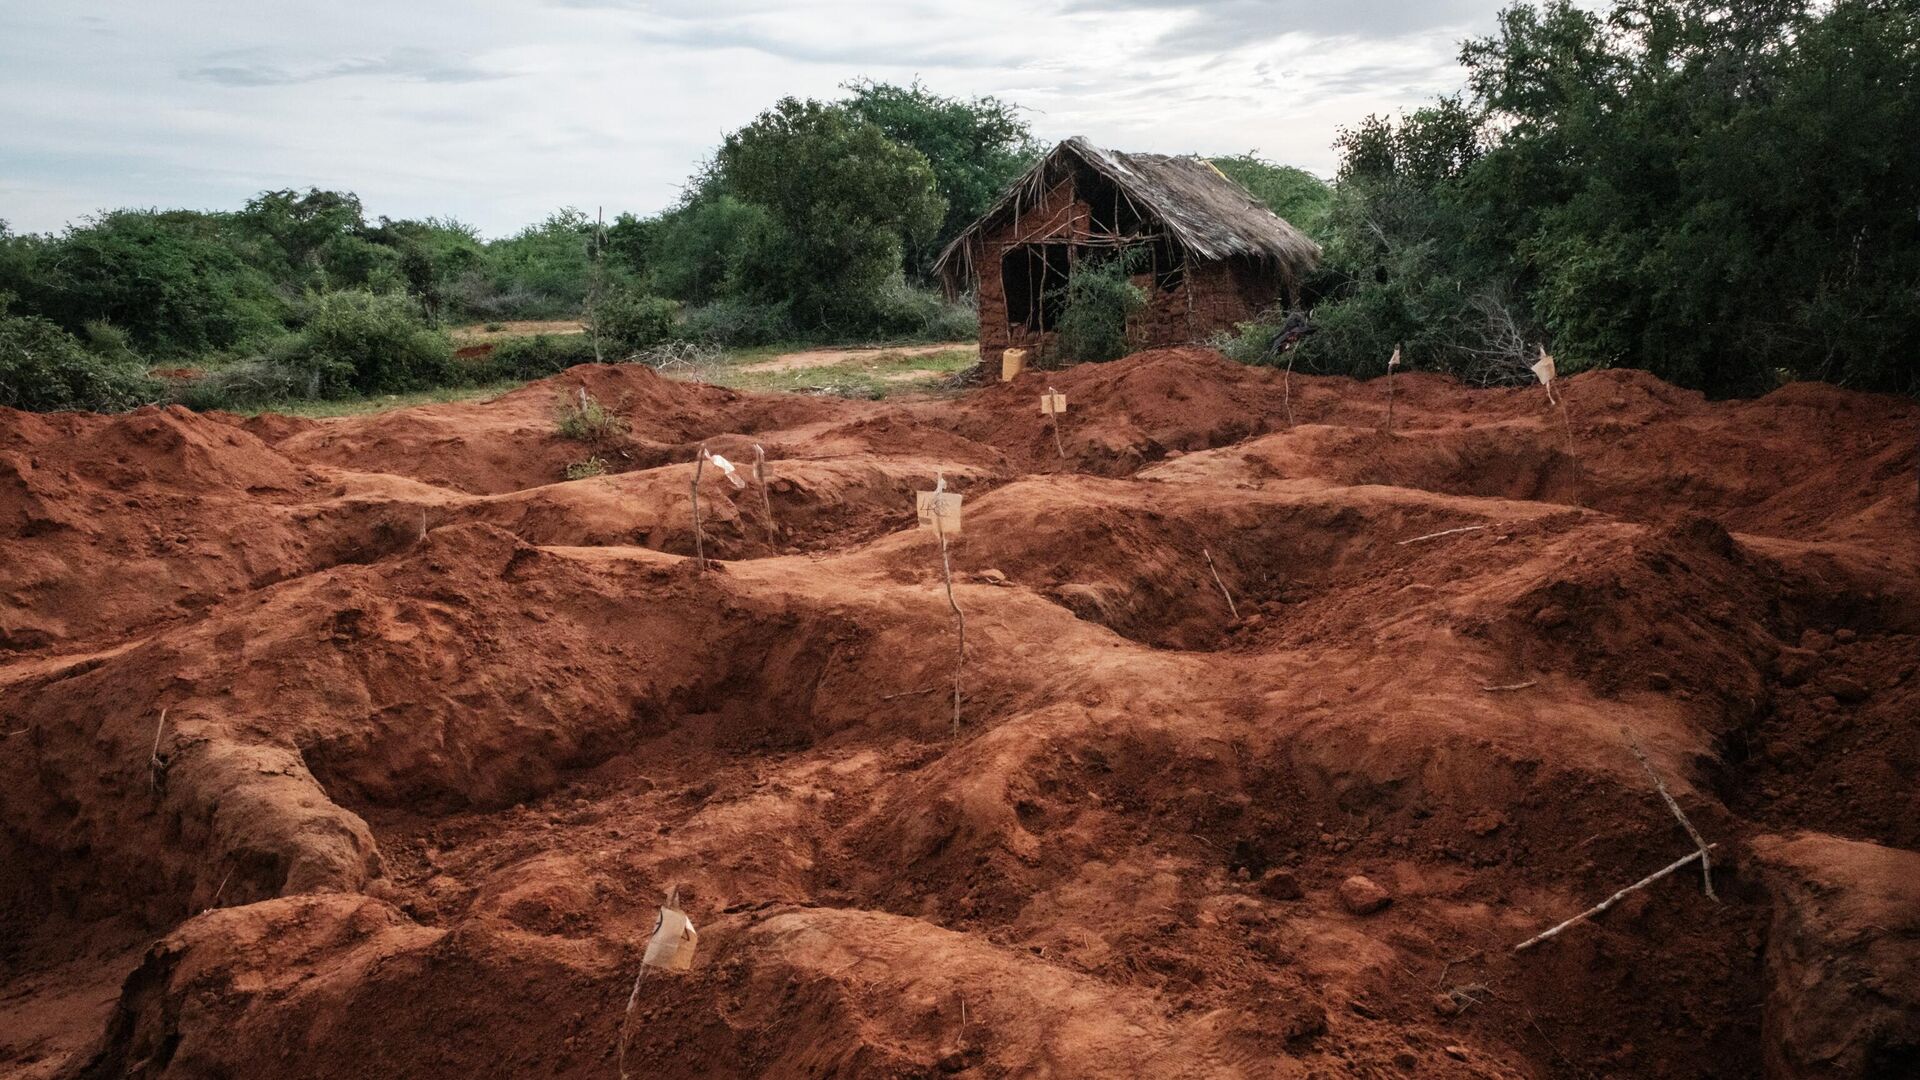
(536, 357)
(44, 368)
(580, 416)
(905, 312)
(628, 322)
(367, 343)
(737, 322)
(1095, 303)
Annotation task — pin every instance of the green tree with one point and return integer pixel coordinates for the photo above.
(841, 197)
(44, 368)
(975, 147)
(1295, 195)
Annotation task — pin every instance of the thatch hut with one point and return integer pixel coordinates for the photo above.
(1215, 254)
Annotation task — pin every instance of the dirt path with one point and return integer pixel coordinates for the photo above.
(370, 746)
(812, 358)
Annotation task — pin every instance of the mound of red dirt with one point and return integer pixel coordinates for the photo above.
(372, 745)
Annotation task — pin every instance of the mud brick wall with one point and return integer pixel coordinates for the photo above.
(1211, 297)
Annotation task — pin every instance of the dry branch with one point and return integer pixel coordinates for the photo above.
(1223, 585)
(1706, 864)
(1509, 686)
(1443, 532)
(1612, 900)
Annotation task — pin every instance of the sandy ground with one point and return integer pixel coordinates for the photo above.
(370, 745)
(813, 358)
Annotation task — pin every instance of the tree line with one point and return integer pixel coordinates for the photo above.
(1723, 192)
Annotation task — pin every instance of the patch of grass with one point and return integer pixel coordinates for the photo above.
(318, 410)
(872, 376)
(578, 415)
(595, 465)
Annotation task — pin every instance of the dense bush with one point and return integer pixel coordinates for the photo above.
(360, 342)
(735, 322)
(627, 322)
(1720, 193)
(43, 368)
(534, 357)
(1296, 195)
(1095, 303)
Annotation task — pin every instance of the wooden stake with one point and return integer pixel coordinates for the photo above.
(1611, 900)
(155, 767)
(1055, 417)
(766, 500)
(1392, 363)
(699, 545)
(1223, 585)
(1286, 389)
(960, 619)
(1706, 864)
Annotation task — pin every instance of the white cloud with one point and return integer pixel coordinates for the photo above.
(497, 111)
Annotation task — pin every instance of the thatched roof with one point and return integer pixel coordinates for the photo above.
(1202, 211)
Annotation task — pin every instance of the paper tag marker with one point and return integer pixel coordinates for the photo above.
(1543, 370)
(1053, 404)
(939, 509)
(673, 943)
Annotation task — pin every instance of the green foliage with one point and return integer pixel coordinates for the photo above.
(1096, 301)
(1718, 192)
(975, 147)
(1297, 196)
(702, 250)
(360, 342)
(44, 368)
(536, 357)
(628, 321)
(841, 197)
(736, 321)
(174, 281)
(542, 272)
(580, 416)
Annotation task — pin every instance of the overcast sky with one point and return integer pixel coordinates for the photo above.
(498, 111)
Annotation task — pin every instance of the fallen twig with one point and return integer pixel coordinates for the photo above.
(1223, 585)
(1509, 686)
(1706, 864)
(1443, 532)
(909, 693)
(1612, 900)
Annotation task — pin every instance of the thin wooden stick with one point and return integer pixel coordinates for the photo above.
(1286, 389)
(155, 767)
(626, 1021)
(1391, 365)
(1223, 585)
(1510, 686)
(1443, 532)
(699, 546)
(960, 619)
(766, 501)
(1706, 864)
(909, 693)
(1054, 415)
(1611, 900)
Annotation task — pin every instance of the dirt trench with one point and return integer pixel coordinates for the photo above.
(371, 745)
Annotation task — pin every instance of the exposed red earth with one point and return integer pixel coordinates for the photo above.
(442, 729)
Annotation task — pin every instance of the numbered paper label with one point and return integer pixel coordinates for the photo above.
(939, 511)
(1053, 404)
(673, 943)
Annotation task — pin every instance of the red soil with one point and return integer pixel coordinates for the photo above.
(441, 729)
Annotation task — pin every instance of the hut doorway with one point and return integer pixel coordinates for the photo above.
(1034, 277)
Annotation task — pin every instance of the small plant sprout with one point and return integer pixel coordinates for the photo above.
(594, 465)
(582, 418)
